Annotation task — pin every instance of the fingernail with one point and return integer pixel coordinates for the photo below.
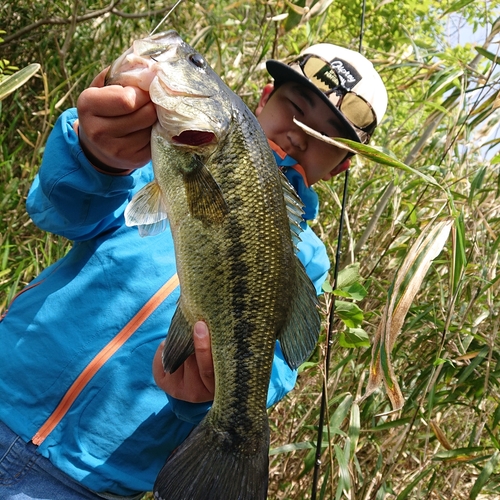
(200, 329)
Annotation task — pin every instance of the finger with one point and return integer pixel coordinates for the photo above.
(203, 354)
(98, 81)
(158, 371)
(112, 101)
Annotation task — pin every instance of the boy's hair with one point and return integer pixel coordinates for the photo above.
(342, 78)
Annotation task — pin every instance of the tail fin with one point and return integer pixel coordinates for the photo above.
(210, 465)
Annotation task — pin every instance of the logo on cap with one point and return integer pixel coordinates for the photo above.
(339, 73)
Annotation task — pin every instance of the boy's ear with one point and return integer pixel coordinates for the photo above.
(266, 93)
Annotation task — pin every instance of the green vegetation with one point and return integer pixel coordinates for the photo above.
(420, 421)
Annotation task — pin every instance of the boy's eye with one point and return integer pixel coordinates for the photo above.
(297, 107)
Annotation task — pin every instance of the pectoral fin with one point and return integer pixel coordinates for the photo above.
(204, 196)
(147, 210)
(179, 343)
(300, 335)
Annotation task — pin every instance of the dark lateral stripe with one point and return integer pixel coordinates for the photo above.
(245, 329)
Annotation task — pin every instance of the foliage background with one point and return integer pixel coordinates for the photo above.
(443, 111)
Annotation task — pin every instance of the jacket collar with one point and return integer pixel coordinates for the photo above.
(295, 174)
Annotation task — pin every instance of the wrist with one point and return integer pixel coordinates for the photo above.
(95, 162)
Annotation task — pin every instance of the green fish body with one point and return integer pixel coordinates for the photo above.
(234, 219)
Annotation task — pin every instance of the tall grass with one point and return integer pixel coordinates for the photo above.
(442, 442)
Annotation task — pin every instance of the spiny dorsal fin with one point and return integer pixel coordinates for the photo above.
(294, 207)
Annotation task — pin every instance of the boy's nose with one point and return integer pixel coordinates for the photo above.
(298, 139)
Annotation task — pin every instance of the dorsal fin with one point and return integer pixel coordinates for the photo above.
(294, 208)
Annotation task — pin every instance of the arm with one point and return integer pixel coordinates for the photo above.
(71, 196)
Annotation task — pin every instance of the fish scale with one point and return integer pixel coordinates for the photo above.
(234, 219)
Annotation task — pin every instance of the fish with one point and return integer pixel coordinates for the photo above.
(235, 222)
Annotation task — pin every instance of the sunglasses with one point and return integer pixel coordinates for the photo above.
(323, 75)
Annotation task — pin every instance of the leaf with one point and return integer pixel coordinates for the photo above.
(489, 55)
(344, 476)
(460, 454)
(404, 494)
(405, 286)
(354, 429)
(349, 313)
(340, 414)
(355, 291)
(354, 337)
(488, 469)
(349, 275)
(455, 7)
(459, 257)
(13, 82)
(288, 448)
(465, 374)
(369, 152)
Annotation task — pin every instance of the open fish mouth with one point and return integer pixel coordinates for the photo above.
(194, 138)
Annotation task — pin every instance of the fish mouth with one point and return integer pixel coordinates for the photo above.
(194, 138)
(179, 93)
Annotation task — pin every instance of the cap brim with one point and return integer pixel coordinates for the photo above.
(282, 73)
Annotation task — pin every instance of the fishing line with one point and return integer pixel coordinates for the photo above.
(322, 412)
(166, 17)
(331, 312)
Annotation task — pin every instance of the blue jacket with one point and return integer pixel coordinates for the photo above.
(59, 322)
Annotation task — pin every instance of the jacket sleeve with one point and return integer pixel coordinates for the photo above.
(69, 196)
(312, 253)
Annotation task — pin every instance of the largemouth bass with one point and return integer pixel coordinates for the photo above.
(234, 219)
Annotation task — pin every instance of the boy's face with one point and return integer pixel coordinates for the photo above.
(321, 161)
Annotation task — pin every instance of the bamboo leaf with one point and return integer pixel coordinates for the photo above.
(369, 152)
(354, 429)
(475, 362)
(405, 493)
(460, 454)
(459, 257)
(485, 474)
(13, 82)
(288, 448)
(455, 7)
(340, 414)
(489, 55)
(344, 476)
(405, 286)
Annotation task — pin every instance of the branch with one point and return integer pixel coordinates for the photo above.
(80, 19)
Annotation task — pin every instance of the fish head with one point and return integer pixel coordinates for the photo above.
(193, 104)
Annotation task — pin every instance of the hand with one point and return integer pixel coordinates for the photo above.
(115, 124)
(194, 381)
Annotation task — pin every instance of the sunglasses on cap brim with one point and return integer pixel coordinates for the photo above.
(358, 112)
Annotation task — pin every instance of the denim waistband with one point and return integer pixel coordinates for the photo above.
(24, 473)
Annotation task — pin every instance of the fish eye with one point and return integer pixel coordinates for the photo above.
(197, 60)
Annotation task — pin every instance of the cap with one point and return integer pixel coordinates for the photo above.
(343, 79)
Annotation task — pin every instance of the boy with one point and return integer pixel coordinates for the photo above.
(81, 416)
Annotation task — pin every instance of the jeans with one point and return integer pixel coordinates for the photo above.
(27, 475)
